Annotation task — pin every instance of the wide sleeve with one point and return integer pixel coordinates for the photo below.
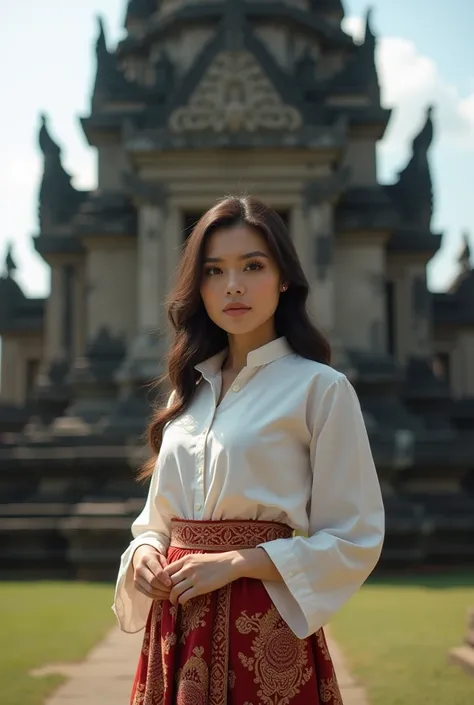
(346, 518)
(151, 527)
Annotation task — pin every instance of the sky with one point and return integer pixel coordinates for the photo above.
(425, 55)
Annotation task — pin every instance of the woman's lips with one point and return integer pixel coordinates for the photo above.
(237, 311)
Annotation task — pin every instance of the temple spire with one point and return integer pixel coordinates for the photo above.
(102, 76)
(101, 44)
(369, 36)
(47, 145)
(367, 54)
(10, 266)
(422, 142)
(464, 258)
(414, 189)
(58, 199)
(109, 80)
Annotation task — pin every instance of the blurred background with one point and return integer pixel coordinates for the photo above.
(121, 123)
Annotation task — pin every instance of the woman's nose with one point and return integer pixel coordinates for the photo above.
(234, 285)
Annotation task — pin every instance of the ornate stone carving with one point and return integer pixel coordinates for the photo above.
(235, 95)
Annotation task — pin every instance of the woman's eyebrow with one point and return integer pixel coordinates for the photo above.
(248, 255)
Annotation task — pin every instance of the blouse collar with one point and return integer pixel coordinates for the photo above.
(256, 358)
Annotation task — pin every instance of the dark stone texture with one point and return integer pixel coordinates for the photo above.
(421, 300)
(324, 254)
(328, 188)
(149, 140)
(141, 9)
(144, 191)
(412, 240)
(365, 208)
(106, 214)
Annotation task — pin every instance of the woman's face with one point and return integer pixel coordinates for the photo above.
(240, 284)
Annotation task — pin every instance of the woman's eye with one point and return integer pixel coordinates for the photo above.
(210, 271)
(254, 266)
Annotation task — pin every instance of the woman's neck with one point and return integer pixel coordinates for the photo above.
(241, 345)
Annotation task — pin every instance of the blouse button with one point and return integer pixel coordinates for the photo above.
(236, 388)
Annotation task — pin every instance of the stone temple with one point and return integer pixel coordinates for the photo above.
(203, 98)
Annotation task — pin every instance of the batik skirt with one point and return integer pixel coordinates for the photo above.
(229, 647)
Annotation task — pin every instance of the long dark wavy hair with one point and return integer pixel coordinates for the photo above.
(197, 338)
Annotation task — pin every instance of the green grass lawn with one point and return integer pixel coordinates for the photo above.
(43, 623)
(396, 635)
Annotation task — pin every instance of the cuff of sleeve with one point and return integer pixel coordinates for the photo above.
(131, 607)
(294, 599)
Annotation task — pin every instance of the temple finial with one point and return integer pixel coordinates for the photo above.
(369, 33)
(47, 145)
(414, 187)
(424, 138)
(101, 45)
(57, 197)
(464, 258)
(10, 265)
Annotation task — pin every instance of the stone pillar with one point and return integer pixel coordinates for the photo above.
(145, 352)
(151, 264)
(312, 232)
(53, 340)
(11, 391)
(462, 365)
(413, 306)
(158, 236)
(173, 241)
(360, 294)
(311, 229)
(111, 272)
(80, 298)
(64, 331)
(300, 236)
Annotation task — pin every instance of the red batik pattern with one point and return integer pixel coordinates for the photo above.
(230, 647)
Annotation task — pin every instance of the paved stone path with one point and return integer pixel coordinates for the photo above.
(105, 677)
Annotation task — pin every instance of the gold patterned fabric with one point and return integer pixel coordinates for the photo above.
(228, 535)
(229, 647)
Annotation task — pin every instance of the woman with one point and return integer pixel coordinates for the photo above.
(260, 437)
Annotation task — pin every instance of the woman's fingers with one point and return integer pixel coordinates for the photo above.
(143, 586)
(160, 577)
(179, 589)
(147, 579)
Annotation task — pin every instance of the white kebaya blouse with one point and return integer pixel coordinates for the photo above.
(287, 443)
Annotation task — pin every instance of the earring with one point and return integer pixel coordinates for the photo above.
(284, 287)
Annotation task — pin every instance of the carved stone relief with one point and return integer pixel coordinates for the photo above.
(235, 95)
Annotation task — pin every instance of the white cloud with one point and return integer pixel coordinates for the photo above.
(409, 82)
(355, 26)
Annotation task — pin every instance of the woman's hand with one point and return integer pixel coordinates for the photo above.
(200, 573)
(149, 576)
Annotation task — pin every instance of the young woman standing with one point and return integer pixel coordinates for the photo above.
(260, 437)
